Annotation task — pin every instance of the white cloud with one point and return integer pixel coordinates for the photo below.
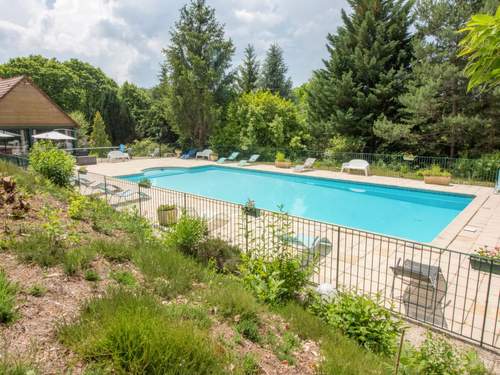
(125, 37)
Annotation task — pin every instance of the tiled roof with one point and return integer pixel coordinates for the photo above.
(7, 84)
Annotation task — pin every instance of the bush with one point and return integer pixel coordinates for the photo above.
(274, 280)
(437, 356)
(248, 327)
(123, 277)
(362, 319)
(187, 235)
(112, 250)
(51, 162)
(79, 206)
(132, 333)
(8, 292)
(143, 147)
(484, 168)
(38, 247)
(78, 259)
(91, 275)
(435, 170)
(225, 256)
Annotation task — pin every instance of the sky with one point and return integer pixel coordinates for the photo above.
(125, 37)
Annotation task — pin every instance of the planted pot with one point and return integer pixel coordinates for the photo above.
(484, 264)
(437, 180)
(282, 164)
(178, 152)
(214, 157)
(167, 215)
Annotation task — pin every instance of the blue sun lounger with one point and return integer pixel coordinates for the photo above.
(231, 157)
(189, 154)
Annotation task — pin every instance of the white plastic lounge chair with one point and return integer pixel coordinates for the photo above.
(126, 194)
(204, 154)
(107, 188)
(253, 159)
(357, 164)
(231, 157)
(307, 166)
(118, 155)
(155, 153)
(316, 247)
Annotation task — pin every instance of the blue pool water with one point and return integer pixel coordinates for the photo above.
(417, 215)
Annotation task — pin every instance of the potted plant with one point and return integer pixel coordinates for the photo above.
(214, 156)
(145, 183)
(250, 209)
(435, 175)
(178, 152)
(281, 161)
(82, 170)
(167, 214)
(485, 259)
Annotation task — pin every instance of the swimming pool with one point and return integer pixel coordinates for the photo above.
(418, 215)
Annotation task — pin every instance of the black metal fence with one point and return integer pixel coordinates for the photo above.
(452, 291)
(17, 160)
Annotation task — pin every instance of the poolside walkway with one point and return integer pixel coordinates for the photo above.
(478, 225)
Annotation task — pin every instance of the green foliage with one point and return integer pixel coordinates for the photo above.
(127, 331)
(91, 275)
(37, 290)
(362, 319)
(40, 248)
(99, 136)
(480, 45)
(78, 207)
(8, 292)
(259, 119)
(250, 365)
(112, 250)
(280, 156)
(123, 277)
(274, 279)
(284, 346)
(273, 74)
(137, 102)
(84, 128)
(77, 259)
(369, 56)
(143, 147)
(187, 235)
(53, 163)
(339, 143)
(434, 170)
(16, 366)
(168, 272)
(248, 72)
(248, 327)
(224, 256)
(196, 68)
(438, 356)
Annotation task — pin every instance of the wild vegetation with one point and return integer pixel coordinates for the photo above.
(178, 301)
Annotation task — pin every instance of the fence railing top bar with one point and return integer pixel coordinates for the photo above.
(391, 239)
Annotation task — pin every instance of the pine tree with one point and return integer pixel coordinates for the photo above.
(99, 137)
(363, 77)
(196, 72)
(248, 74)
(439, 116)
(273, 75)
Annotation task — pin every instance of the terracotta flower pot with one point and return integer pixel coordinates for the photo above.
(437, 180)
(282, 164)
(214, 157)
(484, 264)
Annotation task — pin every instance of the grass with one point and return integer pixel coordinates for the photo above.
(8, 292)
(132, 333)
(37, 247)
(168, 272)
(78, 259)
(342, 355)
(37, 290)
(112, 250)
(248, 327)
(123, 277)
(91, 275)
(13, 366)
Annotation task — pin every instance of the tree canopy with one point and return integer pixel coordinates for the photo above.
(274, 70)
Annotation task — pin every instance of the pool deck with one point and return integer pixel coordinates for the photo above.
(476, 226)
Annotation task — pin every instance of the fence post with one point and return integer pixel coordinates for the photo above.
(486, 304)
(140, 200)
(338, 260)
(184, 202)
(106, 189)
(78, 180)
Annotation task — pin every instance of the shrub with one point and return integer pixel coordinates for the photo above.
(51, 162)
(231, 298)
(248, 327)
(132, 333)
(79, 206)
(249, 365)
(8, 292)
(274, 280)
(280, 156)
(435, 170)
(143, 147)
(123, 277)
(91, 275)
(437, 356)
(145, 182)
(77, 260)
(187, 235)
(38, 247)
(362, 319)
(112, 250)
(225, 256)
